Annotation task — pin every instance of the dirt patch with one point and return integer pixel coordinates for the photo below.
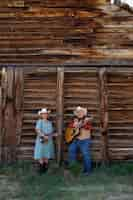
(120, 197)
(8, 188)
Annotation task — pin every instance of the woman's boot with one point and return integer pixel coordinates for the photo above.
(40, 168)
(45, 167)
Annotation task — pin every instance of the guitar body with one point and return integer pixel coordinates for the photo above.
(70, 134)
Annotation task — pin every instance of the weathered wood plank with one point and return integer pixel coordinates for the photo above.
(19, 98)
(49, 3)
(60, 108)
(104, 113)
(9, 120)
(37, 33)
(1, 120)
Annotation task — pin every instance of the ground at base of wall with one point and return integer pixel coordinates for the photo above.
(21, 182)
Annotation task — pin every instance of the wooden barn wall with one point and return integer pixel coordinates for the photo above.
(39, 92)
(63, 32)
(81, 88)
(11, 112)
(106, 92)
(120, 108)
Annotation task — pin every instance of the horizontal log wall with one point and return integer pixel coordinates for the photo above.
(120, 108)
(39, 92)
(72, 31)
(106, 92)
(81, 88)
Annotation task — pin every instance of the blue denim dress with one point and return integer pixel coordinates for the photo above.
(44, 150)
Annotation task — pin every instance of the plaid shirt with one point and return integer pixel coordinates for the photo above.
(86, 125)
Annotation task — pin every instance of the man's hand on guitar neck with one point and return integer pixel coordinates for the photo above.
(77, 123)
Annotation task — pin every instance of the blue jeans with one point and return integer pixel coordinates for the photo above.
(84, 146)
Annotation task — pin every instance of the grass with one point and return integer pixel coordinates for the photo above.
(21, 182)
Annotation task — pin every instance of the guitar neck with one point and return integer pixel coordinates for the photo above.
(81, 124)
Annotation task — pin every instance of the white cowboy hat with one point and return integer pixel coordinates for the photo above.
(43, 110)
(78, 109)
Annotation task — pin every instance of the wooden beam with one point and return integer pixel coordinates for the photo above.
(19, 89)
(2, 83)
(60, 107)
(3, 104)
(9, 150)
(0, 122)
(12, 104)
(103, 113)
(15, 3)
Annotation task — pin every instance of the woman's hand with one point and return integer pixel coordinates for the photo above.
(45, 137)
(55, 134)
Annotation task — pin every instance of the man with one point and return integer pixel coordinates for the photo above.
(83, 139)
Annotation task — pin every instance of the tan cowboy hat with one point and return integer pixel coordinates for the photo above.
(78, 109)
(43, 110)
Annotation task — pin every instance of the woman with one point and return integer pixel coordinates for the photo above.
(44, 147)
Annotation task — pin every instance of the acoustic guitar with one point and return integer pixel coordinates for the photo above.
(71, 133)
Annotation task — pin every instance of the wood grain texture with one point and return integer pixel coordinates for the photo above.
(9, 142)
(103, 93)
(81, 87)
(59, 112)
(40, 90)
(1, 117)
(64, 32)
(12, 98)
(34, 88)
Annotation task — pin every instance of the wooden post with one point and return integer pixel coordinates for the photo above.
(2, 108)
(103, 112)
(0, 122)
(12, 103)
(9, 151)
(19, 89)
(60, 108)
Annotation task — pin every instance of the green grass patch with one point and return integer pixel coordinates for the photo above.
(20, 181)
